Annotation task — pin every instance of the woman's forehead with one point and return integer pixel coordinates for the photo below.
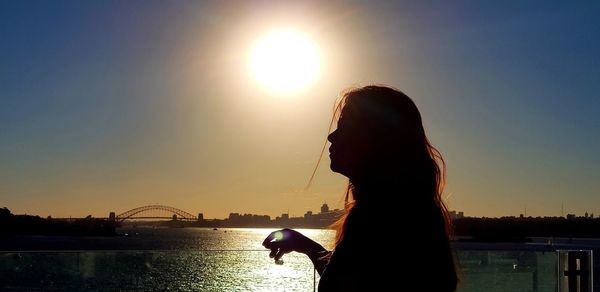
(349, 117)
(353, 110)
(346, 114)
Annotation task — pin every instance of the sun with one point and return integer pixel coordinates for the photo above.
(285, 61)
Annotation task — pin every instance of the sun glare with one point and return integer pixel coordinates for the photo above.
(285, 61)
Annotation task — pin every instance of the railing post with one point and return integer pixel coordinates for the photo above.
(577, 267)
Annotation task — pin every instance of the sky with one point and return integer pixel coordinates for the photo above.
(106, 106)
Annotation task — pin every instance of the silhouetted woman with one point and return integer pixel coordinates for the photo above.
(394, 234)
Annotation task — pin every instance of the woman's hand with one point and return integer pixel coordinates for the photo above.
(286, 240)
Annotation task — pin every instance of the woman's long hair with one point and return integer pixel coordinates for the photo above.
(394, 121)
(392, 163)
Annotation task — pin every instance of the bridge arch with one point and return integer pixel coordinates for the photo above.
(182, 215)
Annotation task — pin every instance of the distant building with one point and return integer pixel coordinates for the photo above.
(308, 215)
(111, 216)
(239, 220)
(285, 216)
(324, 208)
(571, 216)
(456, 215)
(200, 217)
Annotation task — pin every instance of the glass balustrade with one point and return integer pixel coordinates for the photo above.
(253, 270)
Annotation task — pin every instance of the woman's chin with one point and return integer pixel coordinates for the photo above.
(333, 167)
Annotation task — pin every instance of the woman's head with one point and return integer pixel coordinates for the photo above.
(379, 130)
(381, 146)
(380, 139)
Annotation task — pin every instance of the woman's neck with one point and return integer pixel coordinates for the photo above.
(390, 192)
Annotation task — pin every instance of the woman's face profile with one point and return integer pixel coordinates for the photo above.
(349, 145)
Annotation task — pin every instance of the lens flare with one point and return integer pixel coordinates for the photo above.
(278, 235)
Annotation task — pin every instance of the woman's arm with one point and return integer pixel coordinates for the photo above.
(286, 240)
(320, 260)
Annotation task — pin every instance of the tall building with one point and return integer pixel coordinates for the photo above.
(324, 208)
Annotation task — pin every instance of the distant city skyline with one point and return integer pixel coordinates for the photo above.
(324, 209)
(107, 106)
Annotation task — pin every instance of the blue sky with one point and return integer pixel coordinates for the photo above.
(110, 105)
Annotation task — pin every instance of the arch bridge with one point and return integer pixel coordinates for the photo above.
(139, 212)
